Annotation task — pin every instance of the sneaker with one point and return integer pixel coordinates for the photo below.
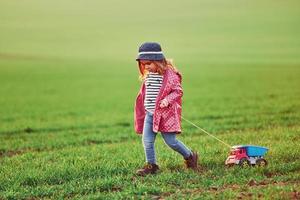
(147, 169)
(192, 161)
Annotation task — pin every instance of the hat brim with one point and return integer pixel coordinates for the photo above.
(150, 57)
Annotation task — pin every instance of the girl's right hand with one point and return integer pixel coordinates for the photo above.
(164, 103)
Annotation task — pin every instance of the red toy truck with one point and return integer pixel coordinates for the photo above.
(246, 155)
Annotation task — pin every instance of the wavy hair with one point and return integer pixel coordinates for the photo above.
(162, 66)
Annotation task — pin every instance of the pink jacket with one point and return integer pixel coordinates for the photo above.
(166, 119)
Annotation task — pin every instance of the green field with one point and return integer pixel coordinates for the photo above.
(68, 81)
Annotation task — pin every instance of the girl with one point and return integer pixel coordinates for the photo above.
(158, 106)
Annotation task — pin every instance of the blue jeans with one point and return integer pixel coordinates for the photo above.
(169, 138)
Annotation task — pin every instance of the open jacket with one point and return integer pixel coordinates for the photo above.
(166, 119)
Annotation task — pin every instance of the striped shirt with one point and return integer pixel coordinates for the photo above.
(153, 84)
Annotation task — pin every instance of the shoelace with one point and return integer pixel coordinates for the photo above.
(148, 166)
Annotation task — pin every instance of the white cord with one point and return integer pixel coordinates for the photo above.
(206, 132)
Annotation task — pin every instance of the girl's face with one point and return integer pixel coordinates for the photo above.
(148, 65)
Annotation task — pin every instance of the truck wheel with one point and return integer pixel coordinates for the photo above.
(261, 162)
(244, 162)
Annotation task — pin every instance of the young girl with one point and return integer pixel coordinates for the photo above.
(158, 106)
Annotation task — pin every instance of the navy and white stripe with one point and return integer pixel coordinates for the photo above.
(150, 52)
(153, 83)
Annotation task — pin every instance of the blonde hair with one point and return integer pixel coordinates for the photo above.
(162, 66)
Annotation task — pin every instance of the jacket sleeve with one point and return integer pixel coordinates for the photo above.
(139, 112)
(176, 91)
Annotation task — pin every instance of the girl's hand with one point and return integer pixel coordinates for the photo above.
(164, 103)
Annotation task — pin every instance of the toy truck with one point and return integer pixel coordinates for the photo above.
(246, 155)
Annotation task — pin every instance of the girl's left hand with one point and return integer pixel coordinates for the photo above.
(164, 103)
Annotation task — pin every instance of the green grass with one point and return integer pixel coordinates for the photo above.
(68, 81)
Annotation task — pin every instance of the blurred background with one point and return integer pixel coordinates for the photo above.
(209, 32)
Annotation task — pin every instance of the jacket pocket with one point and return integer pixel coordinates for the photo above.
(168, 119)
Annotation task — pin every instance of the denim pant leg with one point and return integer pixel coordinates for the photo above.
(176, 145)
(149, 139)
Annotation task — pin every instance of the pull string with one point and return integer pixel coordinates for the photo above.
(206, 132)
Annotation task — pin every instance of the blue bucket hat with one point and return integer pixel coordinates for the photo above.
(150, 51)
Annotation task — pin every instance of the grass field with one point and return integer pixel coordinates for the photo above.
(68, 81)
